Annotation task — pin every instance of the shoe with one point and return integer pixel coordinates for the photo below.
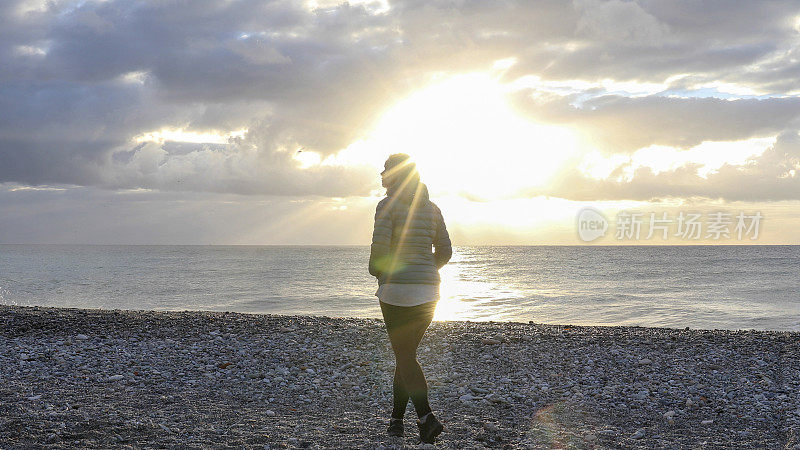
(429, 428)
(395, 427)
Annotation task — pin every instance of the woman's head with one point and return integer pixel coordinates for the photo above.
(399, 171)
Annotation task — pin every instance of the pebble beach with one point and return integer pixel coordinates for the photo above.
(98, 378)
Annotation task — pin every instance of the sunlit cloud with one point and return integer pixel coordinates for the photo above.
(29, 50)
(705, 158)
(181, 135)
(605, 86)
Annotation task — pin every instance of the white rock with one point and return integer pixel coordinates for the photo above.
(116, 377)
(270, 413)
(35, 397)
(639, 434)
(642, 395)
(669, 415)
(644, 361)
(81, 337)
(466, 398)
(707, 422)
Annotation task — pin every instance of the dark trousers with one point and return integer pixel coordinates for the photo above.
(406, 325)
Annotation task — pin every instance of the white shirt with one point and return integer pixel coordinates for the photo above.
(401, 294)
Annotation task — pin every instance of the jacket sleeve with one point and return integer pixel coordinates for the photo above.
(381, 239)
(443, 249)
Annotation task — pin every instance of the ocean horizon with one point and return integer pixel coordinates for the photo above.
(696, 286)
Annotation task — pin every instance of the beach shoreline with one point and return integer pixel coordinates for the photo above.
(140, 378)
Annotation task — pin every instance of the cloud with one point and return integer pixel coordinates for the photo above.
(621, 124)
(772, 176)
(78, 215)
(617, 21)
(81, 79)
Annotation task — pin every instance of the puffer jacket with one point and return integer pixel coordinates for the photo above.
(407, 226)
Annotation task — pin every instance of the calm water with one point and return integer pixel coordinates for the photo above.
(699, 287)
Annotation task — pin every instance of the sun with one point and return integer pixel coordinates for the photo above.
(467, 140)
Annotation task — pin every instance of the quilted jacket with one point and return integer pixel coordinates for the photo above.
(410, 242)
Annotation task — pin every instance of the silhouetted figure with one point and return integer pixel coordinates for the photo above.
(410, 244)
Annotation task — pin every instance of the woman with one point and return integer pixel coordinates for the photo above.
(407, 225)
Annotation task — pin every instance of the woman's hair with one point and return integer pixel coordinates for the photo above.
(405, 174)
(397, 159)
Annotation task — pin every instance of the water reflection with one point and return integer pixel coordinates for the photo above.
(467, 295)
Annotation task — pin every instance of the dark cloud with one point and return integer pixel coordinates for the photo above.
(620, 124)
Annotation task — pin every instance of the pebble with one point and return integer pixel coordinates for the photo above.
(467, 398)
(81, 337)
(330, 379)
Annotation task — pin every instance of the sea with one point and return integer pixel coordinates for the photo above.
(701, 287)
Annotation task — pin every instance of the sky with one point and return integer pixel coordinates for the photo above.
(267, 122)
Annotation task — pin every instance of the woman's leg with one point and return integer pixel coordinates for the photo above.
(396, 320)
(400, 393)
(406, 327)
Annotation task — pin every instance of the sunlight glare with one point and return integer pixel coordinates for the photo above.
(467, 140)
